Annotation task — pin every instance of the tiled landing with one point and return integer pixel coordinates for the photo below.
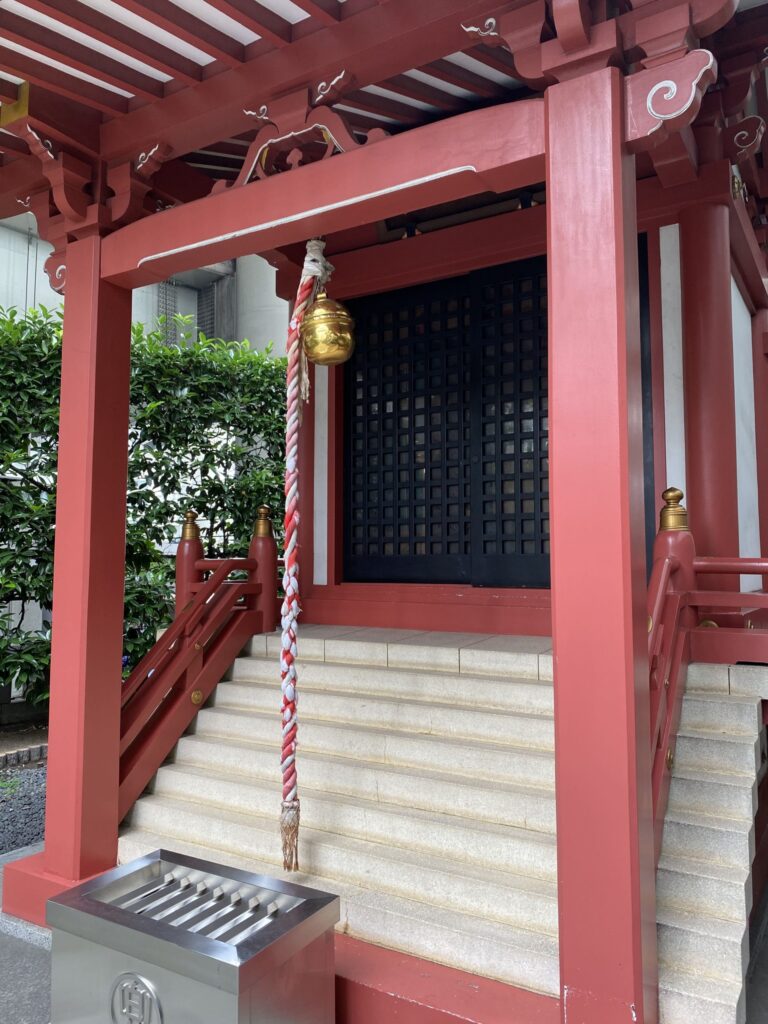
(473, 653)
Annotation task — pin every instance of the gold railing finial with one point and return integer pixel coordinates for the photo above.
(673, 516)
(263, 524)
(190, 530)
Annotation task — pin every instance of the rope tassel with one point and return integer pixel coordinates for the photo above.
(315, 273)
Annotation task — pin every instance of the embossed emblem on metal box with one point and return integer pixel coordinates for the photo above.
(134, 1001)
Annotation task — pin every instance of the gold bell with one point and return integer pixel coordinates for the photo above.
(327, 332)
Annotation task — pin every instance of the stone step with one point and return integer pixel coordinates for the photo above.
(712, 792)
(716, 713)
(688, 998)
(750, 680)
(697, 944)
(528, 958)
(699, 748)
(705, 837)
(476, 653)
(704, 887)
(466, 841)
(423, 789)
(515, 900)
(401, 715)
(504, 692)
(488, 761)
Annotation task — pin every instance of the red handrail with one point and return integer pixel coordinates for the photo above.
(221, 604)
(673, 594)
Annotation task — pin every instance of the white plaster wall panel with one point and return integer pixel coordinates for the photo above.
(144, 310)
(23, 282)
(672, 332)
(262, 317)
(746, 448)
(320, 505)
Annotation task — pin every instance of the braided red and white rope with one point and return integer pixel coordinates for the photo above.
(315, 273)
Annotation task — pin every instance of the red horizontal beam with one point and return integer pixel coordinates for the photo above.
(74, 88)
(18, 180)
(726, 599)
(380, 986)
(110, 32)
(371, 46)
(739, 566)
(82, 58)
(432, 164)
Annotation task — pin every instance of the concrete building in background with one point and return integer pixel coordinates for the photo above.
(233, 299)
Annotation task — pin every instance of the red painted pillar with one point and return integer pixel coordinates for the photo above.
(602, 749)
(81, 809)
(760, 369)
(710, 419)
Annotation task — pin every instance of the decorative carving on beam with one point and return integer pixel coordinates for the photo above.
(83, 198)
(42, 148)
(665, 99)
(742, 140)
(297, 130)
(489, 30)
(327, 92)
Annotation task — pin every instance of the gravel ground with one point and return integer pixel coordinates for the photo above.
(22, 806)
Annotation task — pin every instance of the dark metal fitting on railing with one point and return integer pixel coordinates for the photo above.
(673, 516)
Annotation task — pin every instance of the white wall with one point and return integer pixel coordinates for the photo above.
(320, 502)
(262, 316)
(672, 329)
(746, 450)
(23, 282)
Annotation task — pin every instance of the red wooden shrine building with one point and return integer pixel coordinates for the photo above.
(548, 220)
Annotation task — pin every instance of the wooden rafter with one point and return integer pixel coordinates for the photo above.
(74, 88)
(257, 18)
(82, 58)
(460, 78)
(9, 92)
(327, 12)
(110, 32)
(192, 30)
(378, 43)
(382, 105)
(412, 89)
(496, 57)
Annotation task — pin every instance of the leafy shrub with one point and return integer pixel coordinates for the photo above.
(206, 431)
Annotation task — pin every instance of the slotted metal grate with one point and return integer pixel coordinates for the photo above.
(172, 938)
(213, 906)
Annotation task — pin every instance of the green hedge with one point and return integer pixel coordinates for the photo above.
(207, 423)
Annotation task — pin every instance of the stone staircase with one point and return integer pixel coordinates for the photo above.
(704, 879)
(426, 773)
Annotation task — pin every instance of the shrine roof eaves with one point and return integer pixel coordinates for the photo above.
(133, 73)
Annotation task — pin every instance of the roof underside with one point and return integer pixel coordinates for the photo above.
(111, 80)
(105, 60)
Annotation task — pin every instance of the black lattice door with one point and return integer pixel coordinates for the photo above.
(446, 433)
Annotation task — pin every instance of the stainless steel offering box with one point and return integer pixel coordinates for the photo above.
(169, 939)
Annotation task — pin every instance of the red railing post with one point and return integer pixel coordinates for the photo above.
(264, 549)
(675, 541)
(188, 554)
